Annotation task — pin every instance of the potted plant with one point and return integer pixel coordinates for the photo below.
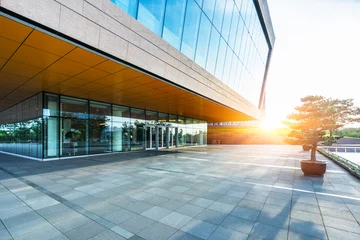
(316, 115)
(308, 124)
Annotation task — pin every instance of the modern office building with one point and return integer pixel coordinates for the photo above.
(81, 77)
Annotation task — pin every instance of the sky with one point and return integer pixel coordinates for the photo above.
(317, 52)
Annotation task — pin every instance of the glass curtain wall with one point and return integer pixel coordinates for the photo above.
(63, 126)
(225, 37)
(21, 128)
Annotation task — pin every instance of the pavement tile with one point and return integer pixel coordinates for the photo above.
(264, 231)
(298, 236)
(71, 223)
(201, 202)
(126, 234)
(136, 224)
(307, 228)
(156, 213)
(108, 235)
(180, 235)
(246, 213)
(342, 224)
(43, 233)
(225, 234)
(190, 210)
(199, 228)
(221, 207)
(5, 235)
(275, 220)
(86, 231)
(332, 212)
(238, 224)
(120, 216)
(157, 231)
(306, 216)
(175, 220)
(335, 234)
(251, 204)
(211, 216)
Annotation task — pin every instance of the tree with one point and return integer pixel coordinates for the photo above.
(310, 121)
(342, 112)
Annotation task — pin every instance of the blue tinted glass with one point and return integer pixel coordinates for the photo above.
(208, 8)
(220, 59)
(239, 37)
(191, 27)
(200, 2)
(129, 6)
(233, 28)
(227, 19)
(173, 23)
(238, 3)
(151, 14)
(227, 66)
(213, 50)
(203, 41)
(244, 9)
(219, 14)
(238, 76)
(233, 71)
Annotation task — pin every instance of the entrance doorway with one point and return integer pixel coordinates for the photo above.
(150, 137)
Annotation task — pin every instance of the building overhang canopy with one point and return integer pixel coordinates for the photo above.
(33, 60)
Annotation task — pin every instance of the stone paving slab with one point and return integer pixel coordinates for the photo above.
(214, 192)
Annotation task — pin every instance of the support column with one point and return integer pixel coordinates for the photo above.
(167, 137)
(157, 137)
(176, 137)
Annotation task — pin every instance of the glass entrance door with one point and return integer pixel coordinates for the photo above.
(150, 137)
(172, 137)
(162, 137)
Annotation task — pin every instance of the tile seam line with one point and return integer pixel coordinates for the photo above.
(63, 201)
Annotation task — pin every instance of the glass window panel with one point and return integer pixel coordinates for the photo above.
(51, 137)
(227, 19)
(151, 14)
(51, 105)
(239, 37)
(73, 107)
(203, 41)
(233, 71)
(208, 8)
(220, 59)
(174, 20)
(233, 28)
(74, 136)
(238, 3)
(244, 9)
(191, 27)
(121, 129)
(227, 66)
(99, 128)
(151, 117)
(219, 14)
(200, 2)
(129, 6)
(213, 50)
(163, 117)
(137, 129)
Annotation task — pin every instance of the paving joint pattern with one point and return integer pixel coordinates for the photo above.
(229, 192)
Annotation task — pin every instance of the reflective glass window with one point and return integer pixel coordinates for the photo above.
(208, 8)
(151, 14)
(233, 71)
(233, 28)
(121, 128)
(200, 2)
(74, 135)
(137, 134)
(213, 50)
(73, 107)
(99, 128)
(129, 6)
(220, 59)
(151, 117)
(51, 105)
(244, 9)
(203, 41)
(191, 27)
(227, 66)
(163, 117)
(174, 20)
(219, 14)
(239, 37)
(238, 4)
(227, 19)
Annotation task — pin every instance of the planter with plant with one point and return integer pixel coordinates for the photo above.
(312, 119)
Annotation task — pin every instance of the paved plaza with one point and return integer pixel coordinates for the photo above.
(215, 192)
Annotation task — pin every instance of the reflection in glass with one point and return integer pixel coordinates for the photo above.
(173, 23)
(129, 6)
(99, 128)
(219, 14)
(208, 8)
(137, 136)
(213, 47)
(51, 137)
(227, 19)
(203, 41)
(191, 27)
(220, 59)
(151, 14)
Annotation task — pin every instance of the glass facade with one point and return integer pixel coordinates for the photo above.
(52, 126)
(225, 37)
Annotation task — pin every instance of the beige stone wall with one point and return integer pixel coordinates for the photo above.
(101, 24)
